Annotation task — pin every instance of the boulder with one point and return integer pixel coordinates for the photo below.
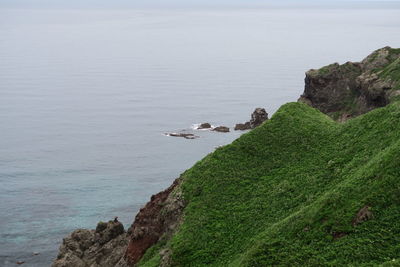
(184, 135)
(205, 125)
(242, 126)
(221, 129)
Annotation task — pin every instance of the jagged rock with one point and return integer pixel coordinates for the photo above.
(351, 89)
(205, 125)
(258, 116)
(111, 231)
(102, 247)
(221, 129)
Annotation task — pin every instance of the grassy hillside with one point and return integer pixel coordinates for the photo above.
(288, 193)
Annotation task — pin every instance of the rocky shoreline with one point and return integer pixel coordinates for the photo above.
(340, 91)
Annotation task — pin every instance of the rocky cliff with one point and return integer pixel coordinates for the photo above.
(104, 246)
(299, 189)
(351, 89)
(109, 245)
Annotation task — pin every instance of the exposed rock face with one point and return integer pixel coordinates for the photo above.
(157, 220)
(104, 246)
(258, 116)
(221, 129)
(351, 89)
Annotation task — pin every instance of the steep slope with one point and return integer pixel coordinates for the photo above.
(300, 189)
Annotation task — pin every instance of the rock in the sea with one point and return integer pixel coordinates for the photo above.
(104, 247)
(258, 116)
(351, 89)
(205, 125)
(184, 135)
(221, 129)
(242, 126)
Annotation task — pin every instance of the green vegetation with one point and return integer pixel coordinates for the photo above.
(392, 72)
(347, 68)
(287, 193)
(327, 69)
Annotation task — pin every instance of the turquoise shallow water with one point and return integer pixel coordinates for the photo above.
(86, 95)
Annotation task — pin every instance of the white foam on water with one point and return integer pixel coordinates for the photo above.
(197, 125)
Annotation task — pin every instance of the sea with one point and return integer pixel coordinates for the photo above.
(88, 94)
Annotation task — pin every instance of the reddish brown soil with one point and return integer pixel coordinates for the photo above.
(148, 227)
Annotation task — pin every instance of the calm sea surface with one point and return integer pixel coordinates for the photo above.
(86, 95)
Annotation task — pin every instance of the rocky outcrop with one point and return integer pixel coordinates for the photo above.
(258, 116)
(221, 129)
(351, 89)
(102, 247)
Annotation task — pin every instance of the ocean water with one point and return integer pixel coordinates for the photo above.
(86, 96)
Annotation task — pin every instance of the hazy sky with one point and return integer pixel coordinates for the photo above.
(188, 3)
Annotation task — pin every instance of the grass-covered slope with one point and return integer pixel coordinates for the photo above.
(288, 193)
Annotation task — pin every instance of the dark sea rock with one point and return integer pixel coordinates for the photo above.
(184, 135)
(221, 129)
(242, 126)
(205, 125)
(258, 116)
